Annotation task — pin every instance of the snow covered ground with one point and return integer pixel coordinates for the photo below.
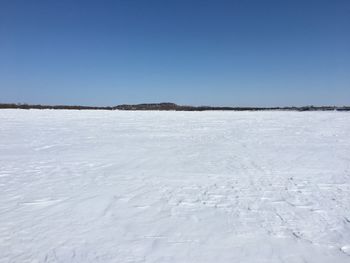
(116, 186)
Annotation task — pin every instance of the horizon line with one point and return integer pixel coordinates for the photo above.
(170, 106)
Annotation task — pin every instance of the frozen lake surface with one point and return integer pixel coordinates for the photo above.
(116, 186)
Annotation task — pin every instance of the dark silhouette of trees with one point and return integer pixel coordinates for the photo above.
(167, 106)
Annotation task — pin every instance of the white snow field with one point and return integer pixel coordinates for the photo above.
(117, 186)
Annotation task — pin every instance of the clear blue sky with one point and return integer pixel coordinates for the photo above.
(243, 53)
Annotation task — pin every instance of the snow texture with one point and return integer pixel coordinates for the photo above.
(117, 186)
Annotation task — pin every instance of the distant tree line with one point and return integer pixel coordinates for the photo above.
(166, 106)
(50, 107)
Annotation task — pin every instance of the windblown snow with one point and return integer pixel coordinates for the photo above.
(117, 186)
